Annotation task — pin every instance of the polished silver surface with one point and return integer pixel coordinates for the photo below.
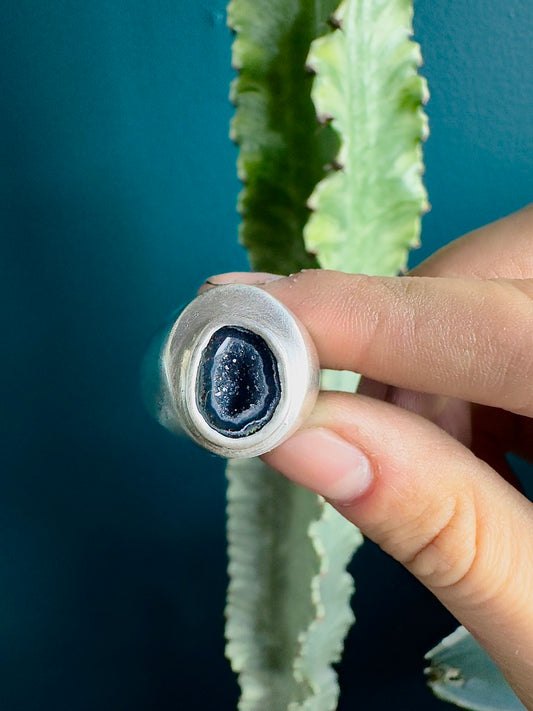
(178, 359)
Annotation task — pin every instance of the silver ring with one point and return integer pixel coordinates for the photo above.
(236, 371)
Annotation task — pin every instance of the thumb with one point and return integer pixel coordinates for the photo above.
(430, 503)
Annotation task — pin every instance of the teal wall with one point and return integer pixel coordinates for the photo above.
(118, 194)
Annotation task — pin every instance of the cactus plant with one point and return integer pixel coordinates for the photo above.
(329, 122)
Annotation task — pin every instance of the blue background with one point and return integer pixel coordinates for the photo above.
(118, 199)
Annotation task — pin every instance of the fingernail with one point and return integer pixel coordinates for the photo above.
(242, 278)
(320, 460)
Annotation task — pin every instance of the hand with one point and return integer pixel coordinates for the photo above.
(420, 467)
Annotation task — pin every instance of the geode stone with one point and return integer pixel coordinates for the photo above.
(238, 386)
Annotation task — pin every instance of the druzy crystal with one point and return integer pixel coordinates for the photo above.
(238, 387)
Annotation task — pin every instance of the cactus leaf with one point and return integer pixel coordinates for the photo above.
(462, 673)
(272, 563)
(366, 213)
(288, 598)
(282, 148)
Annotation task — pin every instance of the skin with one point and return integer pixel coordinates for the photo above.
(416, 459)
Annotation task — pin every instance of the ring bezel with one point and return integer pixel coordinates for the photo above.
(252, 308)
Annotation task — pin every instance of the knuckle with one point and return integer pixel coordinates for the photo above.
(444, 548)
(360, 309)
(390, 315)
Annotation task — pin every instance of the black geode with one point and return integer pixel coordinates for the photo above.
(238, 386)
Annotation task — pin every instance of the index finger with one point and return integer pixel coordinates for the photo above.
(463, 338)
